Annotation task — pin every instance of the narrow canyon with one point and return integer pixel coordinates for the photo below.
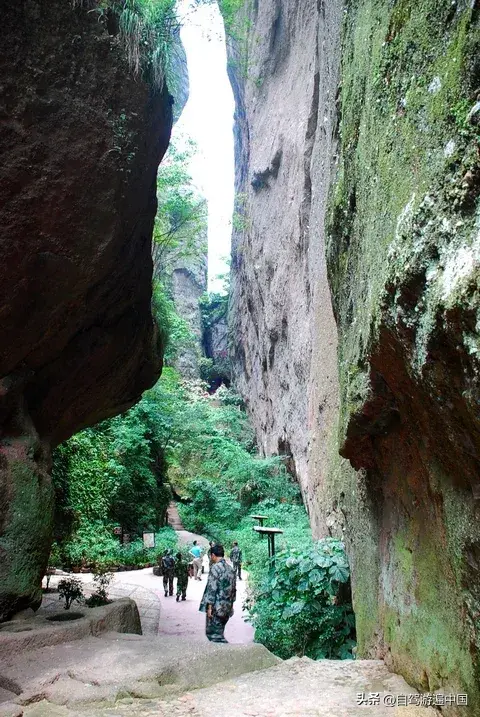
(354, 309)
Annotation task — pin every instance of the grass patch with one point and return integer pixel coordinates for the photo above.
(148, 29)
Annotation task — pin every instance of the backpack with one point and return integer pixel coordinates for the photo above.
(168, 562)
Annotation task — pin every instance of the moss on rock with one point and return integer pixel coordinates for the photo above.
(27, 534)
(403, 258)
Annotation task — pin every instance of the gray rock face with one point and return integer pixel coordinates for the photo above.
(397, 393)
(219, 340)
(189, 282)
(178, 81)
(281, 316)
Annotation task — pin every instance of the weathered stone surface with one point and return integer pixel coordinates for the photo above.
(42, 631)
(298, 687)
(324, 688)
(115, 666)
(403, 259)
(189, 283)
(80, 142)
(281, 317)
(9, 709)
(179, 84)
(403, 251)
(46, 709)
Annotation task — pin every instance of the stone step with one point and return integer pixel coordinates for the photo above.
(174, 519)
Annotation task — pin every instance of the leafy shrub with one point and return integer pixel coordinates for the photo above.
(71, 590)
(102, 579)
(303, 607)
(93, 544)
(111, 474)
(55, 558)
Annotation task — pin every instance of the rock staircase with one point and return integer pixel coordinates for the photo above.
(174, 520)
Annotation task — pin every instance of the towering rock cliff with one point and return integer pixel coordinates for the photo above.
(358, 148)
(81, 138)
(284, 71)
(189, 283)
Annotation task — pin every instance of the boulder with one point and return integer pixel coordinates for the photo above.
(81, 138)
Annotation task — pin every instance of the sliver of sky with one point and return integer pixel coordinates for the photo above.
(208, 120)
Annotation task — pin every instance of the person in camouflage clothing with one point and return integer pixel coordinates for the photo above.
(219, 596)
(168, 571)
(236, 560)
(181, 573)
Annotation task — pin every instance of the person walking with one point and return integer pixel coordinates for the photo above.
(236, 560)
(181, 573)
(196, 551)
(168, 570)
(219, 596)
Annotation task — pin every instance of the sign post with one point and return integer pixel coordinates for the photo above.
(270, 533)
(149, 540)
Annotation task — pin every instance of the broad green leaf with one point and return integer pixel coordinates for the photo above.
(323, 561)
(338, 573)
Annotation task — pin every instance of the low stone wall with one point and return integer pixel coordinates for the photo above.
(42, 630)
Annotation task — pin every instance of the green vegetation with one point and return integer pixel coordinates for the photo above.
(230, 10)
(70, 590)
(147, 29)
(180, 227)
(112, 475)
(304, 606)
(179, 240)
(174, 330)
(214, 309)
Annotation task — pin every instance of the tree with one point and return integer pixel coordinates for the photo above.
(180, 225)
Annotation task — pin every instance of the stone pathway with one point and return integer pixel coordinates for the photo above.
(173, 517)
(174, 670)
(161, 615)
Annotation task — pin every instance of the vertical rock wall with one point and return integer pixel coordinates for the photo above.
(398, 396)
(189, 283)
(404, 258)
(80, 141)
(284, 71)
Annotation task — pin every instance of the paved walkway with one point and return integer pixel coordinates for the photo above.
(161, 615)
